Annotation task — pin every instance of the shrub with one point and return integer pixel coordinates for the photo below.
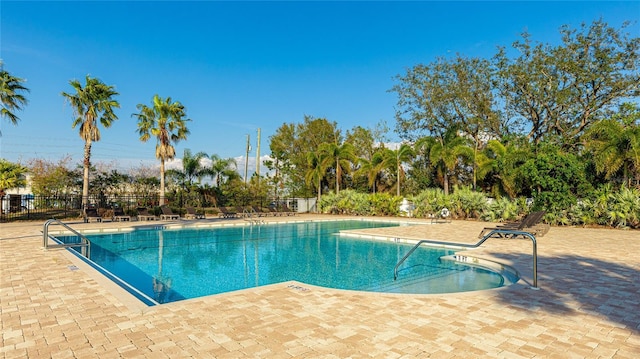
(467, 203)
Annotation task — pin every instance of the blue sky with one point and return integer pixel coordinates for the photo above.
(240, 66)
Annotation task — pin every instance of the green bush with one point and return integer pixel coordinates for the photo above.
(606, 206)
(467, 203)
(504, 209)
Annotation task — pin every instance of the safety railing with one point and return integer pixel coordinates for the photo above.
(504, 233)
(85, 244)
(251, 216)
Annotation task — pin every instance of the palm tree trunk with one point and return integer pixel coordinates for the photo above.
(161, 182)
(85, 174)
(337, 179)
(398, 170)
(475, 157)
(446, 183)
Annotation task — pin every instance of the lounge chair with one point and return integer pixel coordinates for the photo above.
(226, 213)
(260, 212)
(285, 210)
(529, 224)
(119, 215)
(167, 213)
(91, 214)
(274, 212)
(144, 215)
(192, 214)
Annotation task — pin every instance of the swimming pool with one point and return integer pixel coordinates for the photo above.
(174, 264)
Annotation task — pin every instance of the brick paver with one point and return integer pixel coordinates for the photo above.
(588, 305)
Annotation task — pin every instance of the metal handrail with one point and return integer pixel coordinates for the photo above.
(45, 238)
(512, 233)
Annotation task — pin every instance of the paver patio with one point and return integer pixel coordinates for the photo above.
(588, 306)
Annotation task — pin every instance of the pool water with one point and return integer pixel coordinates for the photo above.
(174, 264)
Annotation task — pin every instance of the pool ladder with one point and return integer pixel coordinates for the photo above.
(85, 244)
(252, 216)
(496, 233)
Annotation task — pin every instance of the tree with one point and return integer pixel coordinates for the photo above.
(165, 120)
(445, 93)
(91, 104)
(555, 179)
(192, 169)
(53, 179)
(366, 142)
(340, 157)
(446, 153)
(500, 163)
(372, 168)
(401, 155)
(223, 169)
(289, 147)
(12, 175)
(450, 92)
(559, 92)
(316, 171)
(11, 95)
(615, 144)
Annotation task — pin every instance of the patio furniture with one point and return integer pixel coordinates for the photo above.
(91, 214)
(529, 223)
(444, 215)
(226, 213)
(192, 214)
(144, 215)
(167, 213)
(119, 215)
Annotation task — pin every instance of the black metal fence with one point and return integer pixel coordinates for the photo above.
(29, 207)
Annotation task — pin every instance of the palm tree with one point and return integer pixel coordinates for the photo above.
(92, 103)
(445, 153)
(316, 170)
(501, 162)
(165, 120)
(339, 157)
(223, 168)
(11, 95)
(616, 148)
(192, 169)
(395, 158)
(372, 168)
(11, 175)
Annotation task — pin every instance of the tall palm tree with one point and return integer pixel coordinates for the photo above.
(446, 152)
(91, 104)
(11, 95)
(339, 157)
(165, 120)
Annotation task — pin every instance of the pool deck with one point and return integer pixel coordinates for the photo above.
(588, 306)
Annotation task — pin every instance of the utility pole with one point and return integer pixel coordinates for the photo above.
(258, 156)
(246, 161)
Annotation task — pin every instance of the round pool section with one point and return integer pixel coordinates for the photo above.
(173, 264)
